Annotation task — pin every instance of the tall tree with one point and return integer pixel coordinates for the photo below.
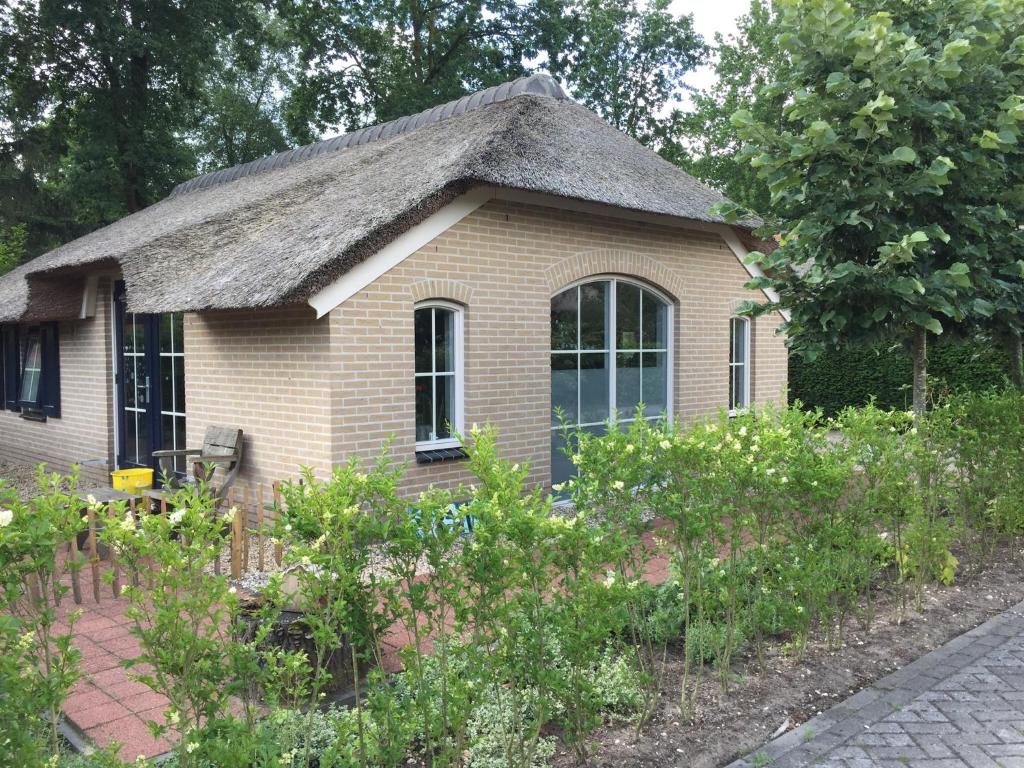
(623, 59)
(894, 175)
(745, 62)
(375, 60)
(240, 111)
(107, 89)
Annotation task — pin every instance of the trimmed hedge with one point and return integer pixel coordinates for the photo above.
(850, 376)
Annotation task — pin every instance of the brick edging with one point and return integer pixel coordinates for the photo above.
(828, 730)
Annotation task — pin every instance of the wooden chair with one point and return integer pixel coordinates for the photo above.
(222, 448)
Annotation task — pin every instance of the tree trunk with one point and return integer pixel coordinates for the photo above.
(920, 372)
(1016, 355)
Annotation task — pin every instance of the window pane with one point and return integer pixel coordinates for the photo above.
(179, 442)
(593, 315)
(593, 387)
(167, 383)
(424, 408)
(655, 389)
(143, 437)
(423, 336)
(627, 383)
(563, 320)
(30, 371)
(179, 384)
(445, 390)
(564, 390)
(655, 322)
(561, 466)
(739, 340)
(166, 333)
(444, 341)
(627, 316)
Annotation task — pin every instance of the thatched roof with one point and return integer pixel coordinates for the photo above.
(275, 231)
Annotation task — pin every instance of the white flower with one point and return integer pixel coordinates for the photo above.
(230, 514)
(913, 431)
(665, 445)
(770, 471)
(576, 459)
(191, 747)
(609, 580)
(288, 527)
(784, 479)
(232, 590)
(557, 487)
(91, 500)
(743, 431)
(515, 467)
(176, 516)
(814, 483)
(630, 448)
(618, 485)
(6, 516)
(173, 717)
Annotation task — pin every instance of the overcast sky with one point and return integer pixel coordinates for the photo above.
(709, 17)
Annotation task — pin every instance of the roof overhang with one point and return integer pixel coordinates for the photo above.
(404, 246)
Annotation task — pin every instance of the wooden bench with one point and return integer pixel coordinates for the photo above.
(222, 449)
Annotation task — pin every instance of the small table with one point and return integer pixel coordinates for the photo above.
(105, 495)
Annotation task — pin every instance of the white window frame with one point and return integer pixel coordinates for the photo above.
(457, 411)
(612, 352)
(744, 323)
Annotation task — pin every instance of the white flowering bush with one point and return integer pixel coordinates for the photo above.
(195, 648)
(38, 663)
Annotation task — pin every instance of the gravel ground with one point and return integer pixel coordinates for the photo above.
(21, 477)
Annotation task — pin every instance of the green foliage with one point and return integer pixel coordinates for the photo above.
(893, 175)
(853, 375)
(624, 59)
(38, 663)
(745, 62)
(12, 247)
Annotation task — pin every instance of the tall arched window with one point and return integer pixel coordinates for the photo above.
(438, 376)
(610, 352)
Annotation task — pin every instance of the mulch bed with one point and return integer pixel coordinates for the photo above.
(760, 701)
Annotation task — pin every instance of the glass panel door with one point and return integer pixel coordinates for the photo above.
(150, 385)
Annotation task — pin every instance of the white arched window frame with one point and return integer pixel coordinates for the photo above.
(613, 348)
(438, 373)
(739, 364)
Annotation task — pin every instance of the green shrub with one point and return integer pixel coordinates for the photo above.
(853, 376)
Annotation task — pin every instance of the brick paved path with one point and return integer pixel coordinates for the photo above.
(960, 705)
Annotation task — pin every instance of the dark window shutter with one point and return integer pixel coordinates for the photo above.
(49, 389)
(12, 367)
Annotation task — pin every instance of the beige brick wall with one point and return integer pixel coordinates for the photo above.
(268, 373)
(84, 430)
(503, 262)
(313, 392)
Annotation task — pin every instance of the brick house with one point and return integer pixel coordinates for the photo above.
(488, 260)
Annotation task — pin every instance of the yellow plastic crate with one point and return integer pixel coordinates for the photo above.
(132, 480)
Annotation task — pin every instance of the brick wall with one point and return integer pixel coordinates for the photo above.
(503, 263)
(84, 430)
(313, 392)
(266, 372)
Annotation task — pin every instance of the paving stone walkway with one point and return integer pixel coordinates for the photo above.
(960, 705)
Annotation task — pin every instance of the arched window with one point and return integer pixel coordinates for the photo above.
(438, 376)
(610, 352)
(739, 364)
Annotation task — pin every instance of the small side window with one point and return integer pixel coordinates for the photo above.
(38, 385)
(739, 364)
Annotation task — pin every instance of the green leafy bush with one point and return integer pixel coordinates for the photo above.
(854, 375)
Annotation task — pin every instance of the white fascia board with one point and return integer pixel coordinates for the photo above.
(397, 251)
(727, 233)
(89, 292)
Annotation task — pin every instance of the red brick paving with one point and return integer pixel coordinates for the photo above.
(108, 706)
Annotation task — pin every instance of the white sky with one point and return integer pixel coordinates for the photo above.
(709, 17)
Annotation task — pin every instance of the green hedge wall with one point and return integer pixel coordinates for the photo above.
(852, 375)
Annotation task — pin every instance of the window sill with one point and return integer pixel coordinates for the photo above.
(435, 455)
(30, 415)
